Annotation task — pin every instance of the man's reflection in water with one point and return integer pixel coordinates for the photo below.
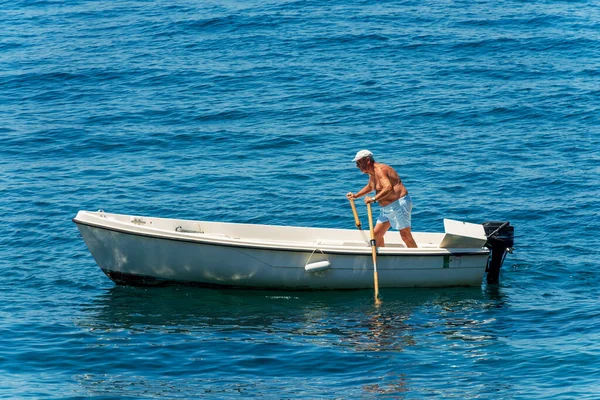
(451, 318)
(393, 385)
(388, 332)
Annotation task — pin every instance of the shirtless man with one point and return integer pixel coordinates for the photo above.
(396, 204)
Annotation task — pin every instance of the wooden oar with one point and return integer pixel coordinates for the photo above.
(374, 253)
(356, 220)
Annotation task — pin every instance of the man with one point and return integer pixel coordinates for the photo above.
(396, 204)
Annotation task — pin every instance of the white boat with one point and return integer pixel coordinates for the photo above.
(137, 250)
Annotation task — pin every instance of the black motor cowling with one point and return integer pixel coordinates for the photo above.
(500, 240)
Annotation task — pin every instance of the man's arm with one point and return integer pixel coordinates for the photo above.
(363, 191)
(367, 189)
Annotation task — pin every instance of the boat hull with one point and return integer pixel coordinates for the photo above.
(135, 258)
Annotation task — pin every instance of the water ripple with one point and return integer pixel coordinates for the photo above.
(487, 110)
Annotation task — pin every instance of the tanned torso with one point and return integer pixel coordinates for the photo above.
(386, 183)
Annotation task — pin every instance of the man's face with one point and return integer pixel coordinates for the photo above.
(363, 163)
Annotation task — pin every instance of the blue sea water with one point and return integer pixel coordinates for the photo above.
(251, 111)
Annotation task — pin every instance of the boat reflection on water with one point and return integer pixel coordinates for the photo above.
(344, 318)
(195, 332)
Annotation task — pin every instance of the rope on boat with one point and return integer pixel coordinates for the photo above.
(317, 265)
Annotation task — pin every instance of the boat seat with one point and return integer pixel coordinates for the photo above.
(400, 245)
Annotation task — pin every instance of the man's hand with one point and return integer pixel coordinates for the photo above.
(350, 195)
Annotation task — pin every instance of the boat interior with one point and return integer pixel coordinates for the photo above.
(457, 234)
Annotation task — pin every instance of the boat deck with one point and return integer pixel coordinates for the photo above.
(273, 235)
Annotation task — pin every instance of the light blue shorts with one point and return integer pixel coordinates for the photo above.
(397, 213)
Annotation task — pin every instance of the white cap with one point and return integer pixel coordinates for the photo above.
(362, 154)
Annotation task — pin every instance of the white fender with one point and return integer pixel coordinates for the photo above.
(317, 266)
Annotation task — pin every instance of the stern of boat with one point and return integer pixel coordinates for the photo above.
(500, 241)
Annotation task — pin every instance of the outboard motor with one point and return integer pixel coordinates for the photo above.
(500, 240)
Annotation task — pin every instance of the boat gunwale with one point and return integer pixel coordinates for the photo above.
(300, 248)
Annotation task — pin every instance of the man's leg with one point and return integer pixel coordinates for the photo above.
(380, 230)
(407, 237)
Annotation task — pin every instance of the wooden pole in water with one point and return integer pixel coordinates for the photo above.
(374, 253)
